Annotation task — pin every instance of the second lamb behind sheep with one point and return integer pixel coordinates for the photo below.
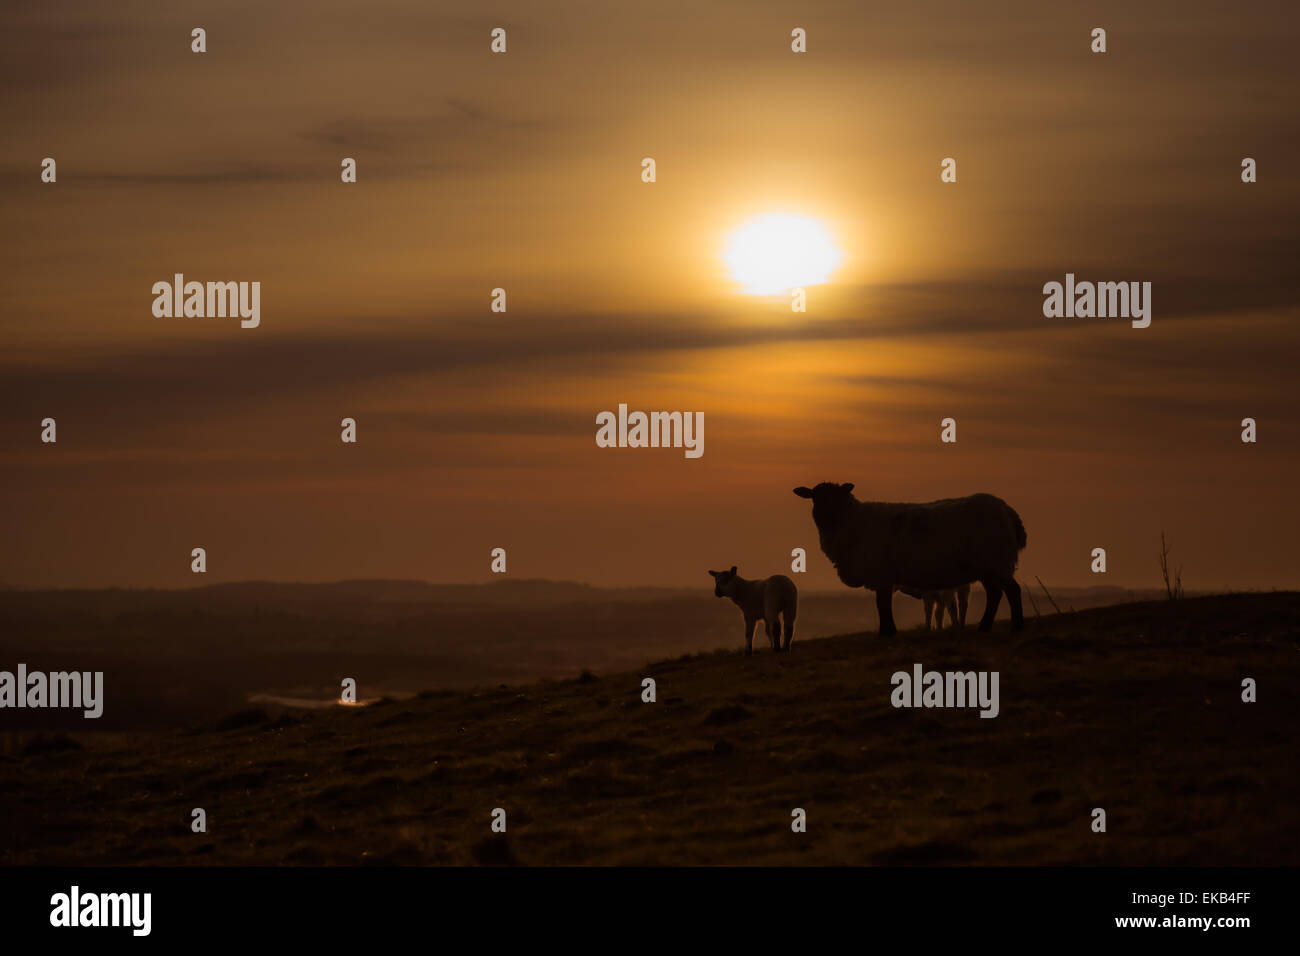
(761, 601)
(934, 602)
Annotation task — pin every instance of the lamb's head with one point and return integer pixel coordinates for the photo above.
(830, 502)
(724, 582)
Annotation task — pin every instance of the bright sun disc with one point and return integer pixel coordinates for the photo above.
(779, 252)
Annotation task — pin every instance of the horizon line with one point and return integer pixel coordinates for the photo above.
(558, 582)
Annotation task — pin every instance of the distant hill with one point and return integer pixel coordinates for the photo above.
(299, 596)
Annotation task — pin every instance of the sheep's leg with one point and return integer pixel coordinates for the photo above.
(963, 599)
(885, 610)
(750, 623)
(952, 610)
(992, 597)
(927, 605)
(1013, 598)
(789, 630)
(774, 632)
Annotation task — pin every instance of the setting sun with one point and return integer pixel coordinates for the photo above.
(779, 252)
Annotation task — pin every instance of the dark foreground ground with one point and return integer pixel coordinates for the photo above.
(1135, 708)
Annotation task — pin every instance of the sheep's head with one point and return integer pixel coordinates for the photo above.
(830, 501)
(724, 582)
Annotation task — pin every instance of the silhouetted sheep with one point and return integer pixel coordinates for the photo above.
(942, 544)
(761, 600)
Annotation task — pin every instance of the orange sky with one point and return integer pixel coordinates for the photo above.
(476, 430)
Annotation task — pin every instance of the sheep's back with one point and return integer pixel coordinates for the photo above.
(942, 544)
(782, 590)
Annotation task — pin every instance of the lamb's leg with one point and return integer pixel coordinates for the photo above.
(789, 630)
(750, 622)
(963, 599)
(885, 610)
(771, 615)
(1013, 598)
(774, 632)
(951, 604)
(927, 605)
(992, 597)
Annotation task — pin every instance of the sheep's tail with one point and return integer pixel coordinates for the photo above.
(1021, 538)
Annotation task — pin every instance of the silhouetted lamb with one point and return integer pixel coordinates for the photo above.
(934, 602)
(942, 544)
(761, 600)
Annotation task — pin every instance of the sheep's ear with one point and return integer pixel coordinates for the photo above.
(733, 569)
(715, 573)
(803, 491)
(848, 486)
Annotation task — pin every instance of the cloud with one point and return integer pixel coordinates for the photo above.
(249, 373)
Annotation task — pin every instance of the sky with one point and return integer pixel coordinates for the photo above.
(475, 171)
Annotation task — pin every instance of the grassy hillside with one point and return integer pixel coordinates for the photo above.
(174, 658)
(1133, 708)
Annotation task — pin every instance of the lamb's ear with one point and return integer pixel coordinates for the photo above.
(733, 569)
(848, 486)
(803, 491)
(715, 573)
